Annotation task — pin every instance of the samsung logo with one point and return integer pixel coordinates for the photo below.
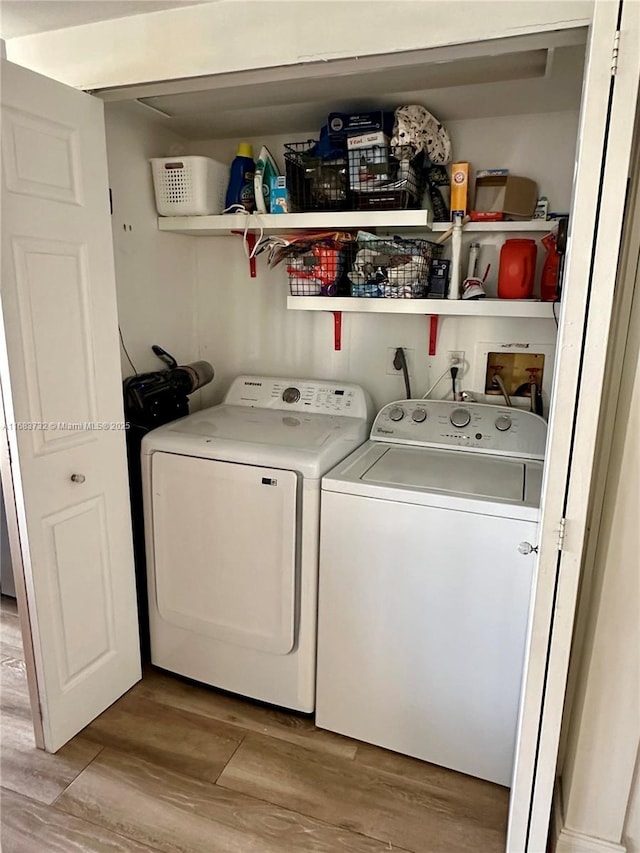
(257, 384)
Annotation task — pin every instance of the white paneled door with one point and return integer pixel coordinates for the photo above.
(62, 398)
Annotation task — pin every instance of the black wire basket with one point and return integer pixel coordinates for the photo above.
(319, 270)
(392, 268)
(379, 181)
(315, 183)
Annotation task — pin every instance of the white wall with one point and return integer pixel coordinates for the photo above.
(155, 273)
(243, 323)
(232, 35)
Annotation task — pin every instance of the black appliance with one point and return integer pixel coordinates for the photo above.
(151, 400)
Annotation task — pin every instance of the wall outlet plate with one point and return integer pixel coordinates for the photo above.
(409, 355)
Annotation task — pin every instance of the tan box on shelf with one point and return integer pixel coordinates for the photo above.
(500, 195)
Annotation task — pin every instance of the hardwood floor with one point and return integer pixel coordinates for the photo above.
(180, 768)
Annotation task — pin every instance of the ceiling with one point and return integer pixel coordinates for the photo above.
(300, 97)
(26, 17)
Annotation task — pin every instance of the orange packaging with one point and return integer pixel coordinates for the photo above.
(459, 189)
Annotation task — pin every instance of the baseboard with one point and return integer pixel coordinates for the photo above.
(565, 840)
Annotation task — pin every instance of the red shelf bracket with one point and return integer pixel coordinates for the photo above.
(433, 333)
(251, 243)
(337, 330)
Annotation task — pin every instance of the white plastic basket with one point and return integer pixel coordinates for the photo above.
(189, 186)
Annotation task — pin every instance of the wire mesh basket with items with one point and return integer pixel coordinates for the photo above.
(379, 181)
(316, 263)
(316, 272)
(392, 268)
(315, 182)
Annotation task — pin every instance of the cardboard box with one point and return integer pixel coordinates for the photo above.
(498, 196)
(279, 195)
(439, 278)
(348, 124)
(491, 173)
(368, 162)
(459, 189)
(366, 140)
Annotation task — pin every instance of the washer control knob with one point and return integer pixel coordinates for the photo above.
(460, 418)
(419, 415)
(503, 423)
(291, 395)
(396, 413)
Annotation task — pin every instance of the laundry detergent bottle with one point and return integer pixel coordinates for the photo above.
(240, 190)
(517, 269)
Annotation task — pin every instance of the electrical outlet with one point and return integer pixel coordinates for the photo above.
(456, 358)
(409, 354)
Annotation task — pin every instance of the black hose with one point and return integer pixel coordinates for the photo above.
(400, 363)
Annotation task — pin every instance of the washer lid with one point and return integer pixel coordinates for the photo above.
(448, 471)
(263, 426)
(298, 441)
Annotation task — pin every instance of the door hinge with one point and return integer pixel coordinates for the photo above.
(561, 531)
(614, 53)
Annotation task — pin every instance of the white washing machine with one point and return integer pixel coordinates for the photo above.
(426, 573)
(231, 498)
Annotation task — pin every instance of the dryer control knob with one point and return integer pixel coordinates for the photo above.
(503, 423)
(460, 418)
(291, 395)
(396, 413)
(419, 415)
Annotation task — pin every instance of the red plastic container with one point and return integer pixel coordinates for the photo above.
(517, 269)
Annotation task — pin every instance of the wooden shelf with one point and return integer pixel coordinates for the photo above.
(341, 220)
(545, 225)
(526, 308)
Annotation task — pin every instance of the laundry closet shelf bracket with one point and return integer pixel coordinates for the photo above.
(249, 240)
(433, 333)
(337, 330)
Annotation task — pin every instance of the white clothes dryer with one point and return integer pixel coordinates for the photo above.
(232, 500)
(426, 571)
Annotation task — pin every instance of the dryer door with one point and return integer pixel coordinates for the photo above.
(224, 539)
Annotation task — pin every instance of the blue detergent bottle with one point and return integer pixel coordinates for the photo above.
(240, 190)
